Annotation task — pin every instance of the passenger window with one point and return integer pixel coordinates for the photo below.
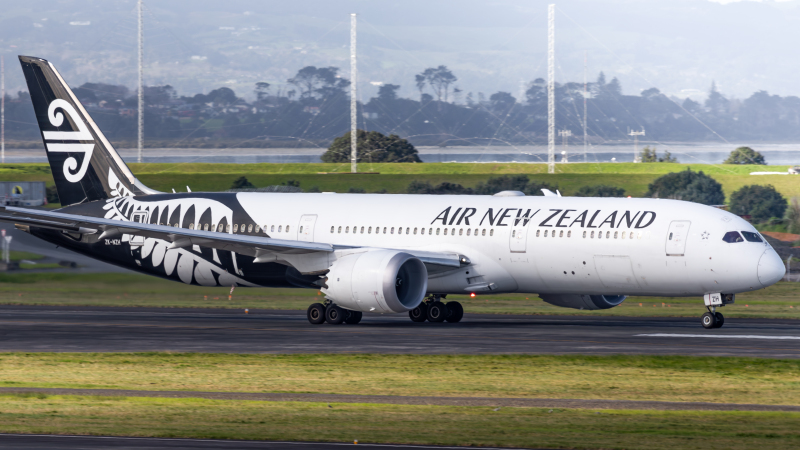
(476, 232)
(213, 227)
(332, 228)
(437, 231)
(362, 228)
(453, 231)
(513, 233)
(584, 234)
(670, 237)
(430, 231)
(445, 231)
(491, 232)
(469, 232)
(228, 228)
(392, 232)
(569, 233)
(483, 233)
(250, 228)
(415, 231)
(537, 233)
(561, 233)
(616, 233)
(732, 237)
(592, 235)
(369, 230)
(191, 226)
(384, 228)
(280, 227)
(235, 228)
(608, 234)
(287, 226)
(631, 234)
(751, 237)
(258, 228)
(460, 231)
(545, 233)
(273, 227)
(301, 229)
(347, 230)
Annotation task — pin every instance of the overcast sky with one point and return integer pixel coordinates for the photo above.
(679, 46)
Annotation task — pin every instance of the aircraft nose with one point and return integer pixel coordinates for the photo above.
(770, 268)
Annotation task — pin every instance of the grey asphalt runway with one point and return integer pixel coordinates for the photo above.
(96, 329)
(43, 441)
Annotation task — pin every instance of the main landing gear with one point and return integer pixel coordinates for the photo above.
(712, 319)
(433, 309)
(318, 314)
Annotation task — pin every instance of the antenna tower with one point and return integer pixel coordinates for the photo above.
(3, 109)
(551, 91)
(565, 134)
(353, 98)
(585, 136)
(141, 85)
(636, 134)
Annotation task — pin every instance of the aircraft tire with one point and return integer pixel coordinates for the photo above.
(456, 312)
(708, 320)
(420, 313)
(353, 317)
(720, 320)
(316, 313)
(437, 312)
(334, 315)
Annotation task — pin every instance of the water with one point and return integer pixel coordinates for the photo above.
(699, 153)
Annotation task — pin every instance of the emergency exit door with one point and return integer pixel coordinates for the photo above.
(305, 231)
(518, 240)
(676, 237)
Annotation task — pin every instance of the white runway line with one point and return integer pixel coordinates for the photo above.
(721, 336)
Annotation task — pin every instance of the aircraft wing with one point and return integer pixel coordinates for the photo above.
(264, 249)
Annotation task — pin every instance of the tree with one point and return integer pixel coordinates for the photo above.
(262, 89)
(745, 155)
(689, 186)
(388, 92)
(502, 102)
(759, 202)
(321, 82)
(372, 146)
(242, 183)
(649, 155)
(600, 190)
(716, 103)
(439, 79)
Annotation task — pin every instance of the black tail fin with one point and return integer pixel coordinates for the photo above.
(85, 165)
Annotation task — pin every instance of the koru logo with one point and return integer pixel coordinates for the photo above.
(72, 173)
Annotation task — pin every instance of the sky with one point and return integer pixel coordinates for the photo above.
(678, 46)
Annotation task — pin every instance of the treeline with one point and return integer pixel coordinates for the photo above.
(314, 110)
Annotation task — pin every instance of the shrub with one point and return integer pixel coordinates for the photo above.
(371, 147)
(242, 183)
(600, 190)
(759, 202)
(745, 155)
(689, 186)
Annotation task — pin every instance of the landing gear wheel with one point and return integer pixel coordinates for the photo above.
(720, 320)
(456, 312)
(316, 313)
(334, 315)
(437, 312)
(420, 313)
(353, 317)
(708, 320)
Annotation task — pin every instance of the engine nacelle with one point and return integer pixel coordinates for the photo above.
(579, 301)
(382, 281)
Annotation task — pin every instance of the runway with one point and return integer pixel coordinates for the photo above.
(96, 329)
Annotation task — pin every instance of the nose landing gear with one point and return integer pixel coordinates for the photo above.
(712, 320)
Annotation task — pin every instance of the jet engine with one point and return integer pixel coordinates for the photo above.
(579, 301)
(382, 281)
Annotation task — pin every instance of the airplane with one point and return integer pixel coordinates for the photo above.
(381, 253)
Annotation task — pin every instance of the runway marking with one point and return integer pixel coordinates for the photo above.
(722, 336)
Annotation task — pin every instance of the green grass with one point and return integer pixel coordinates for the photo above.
(618, 377)
(395, 178)
(16, 256)
(369, 423)
(781, 300)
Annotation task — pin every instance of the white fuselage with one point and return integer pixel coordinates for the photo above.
(569, 245)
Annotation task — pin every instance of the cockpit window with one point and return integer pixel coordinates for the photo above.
(732, 236)
(751, 237)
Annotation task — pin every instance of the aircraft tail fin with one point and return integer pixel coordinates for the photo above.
(85, 166)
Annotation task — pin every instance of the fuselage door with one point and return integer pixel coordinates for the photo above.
(305, 231)
(518, 239)
(676, 237)
(138, 217)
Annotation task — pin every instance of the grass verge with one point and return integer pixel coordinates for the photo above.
(620, 377)
(781, 300)
(369, 423)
